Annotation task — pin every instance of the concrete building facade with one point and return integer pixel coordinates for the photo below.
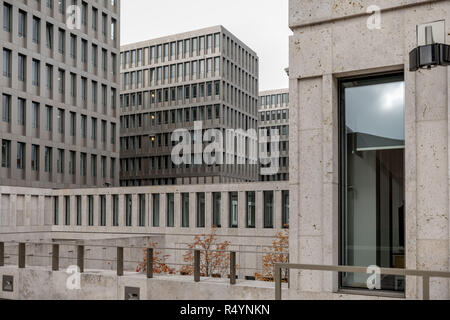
(369, 157)
(60, 92)
(206, 76)
(274, 115)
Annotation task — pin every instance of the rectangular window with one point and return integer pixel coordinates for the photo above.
(60, 161)
(67, 210)
(7, 63)
(142, 210)
(372, 178)
(233, 209)
(20, 155)
(36, 29)
(55, 211)
(6, 153)
(48, 159)
(155, 213)
(170, 210)
(7, 17)
(115, 210)
(35, 115)
(72, 163)
(285, 209)
(79, 211)
(185, 210)
(128, 210)
(6, 108)
(102, 210)
(21, 67)
(34, 157)
(36, 69)
(49, 76)
(90, 210)
(49, 35)
(22, 24)
(201, 210)
(61, 121)
(268, 209)
(216, 214)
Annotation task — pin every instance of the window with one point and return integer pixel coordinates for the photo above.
(20, 155)
(102, 210)
(142, 206)
(22, 24)
(49, 35)
(185, 210)
(94, 129)
(72, 162)
(170, 210)
(60, 161)
(61, 6)
(372, 179)
(84, 8)
(73, 46)
(35, 115)
(61, 81)
(6, 108)
(61, 121)
(201, 209)
(7, 12)
(155, 213)
(55, 210)
(94, 19)
(268, 209)
(49, 76)
(216, 218)
(21, 111)
(83, 164)
(285, 209)
(36, 29)
(48, 159)
(36, 66)
(21, 67)
(48, 118)
(6, 153)
(73, 124)
(7, 63)
(79, 210)
(251, 209)
(113, 29)
(115, 210)
(93, 165)
(73, 85)
(83, 126)
(34, 157)
(90, 210)
(233, 209)
(128, 210)
(84, 45)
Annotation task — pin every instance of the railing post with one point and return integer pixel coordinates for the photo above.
(197, 265)
(233, 267)
(119, 261)
(21, 255)
(149, 263)
(426, 287)
(55, 257)
(80, 258)
(277, 282)
(2, 254)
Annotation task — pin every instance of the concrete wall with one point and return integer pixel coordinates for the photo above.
(331, 40)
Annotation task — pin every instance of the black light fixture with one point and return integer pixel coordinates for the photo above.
(429, 55)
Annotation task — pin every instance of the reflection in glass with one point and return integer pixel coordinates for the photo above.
(200, 210)
(233, 209)
(170, 210)
(251, 209)
(372, 178)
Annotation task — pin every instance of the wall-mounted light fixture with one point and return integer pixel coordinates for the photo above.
(432, 50)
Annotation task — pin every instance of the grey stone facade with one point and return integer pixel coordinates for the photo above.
(60, 92)
(169, 83)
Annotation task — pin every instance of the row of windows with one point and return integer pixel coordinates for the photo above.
(197, 68)
(201, 210)
(60, 160)
(61, 119)
(274, 115)
(231, 117)
(61, 81)
(184, 94)
(277, 177)
(36, 21)
(274, 100)
(175, 50)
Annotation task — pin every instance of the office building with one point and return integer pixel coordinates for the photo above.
(60, 90)
(172, 82)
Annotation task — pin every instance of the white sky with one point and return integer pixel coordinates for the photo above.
(261, 24)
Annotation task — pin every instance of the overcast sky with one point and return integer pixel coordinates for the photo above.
(261, 24)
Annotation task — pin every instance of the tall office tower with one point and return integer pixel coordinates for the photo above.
(171, 83)
(273, 111)
(59, 87)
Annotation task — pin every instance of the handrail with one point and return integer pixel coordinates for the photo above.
(426, 275)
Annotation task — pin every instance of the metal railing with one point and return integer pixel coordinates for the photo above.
(426, 275)
(81, 259)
